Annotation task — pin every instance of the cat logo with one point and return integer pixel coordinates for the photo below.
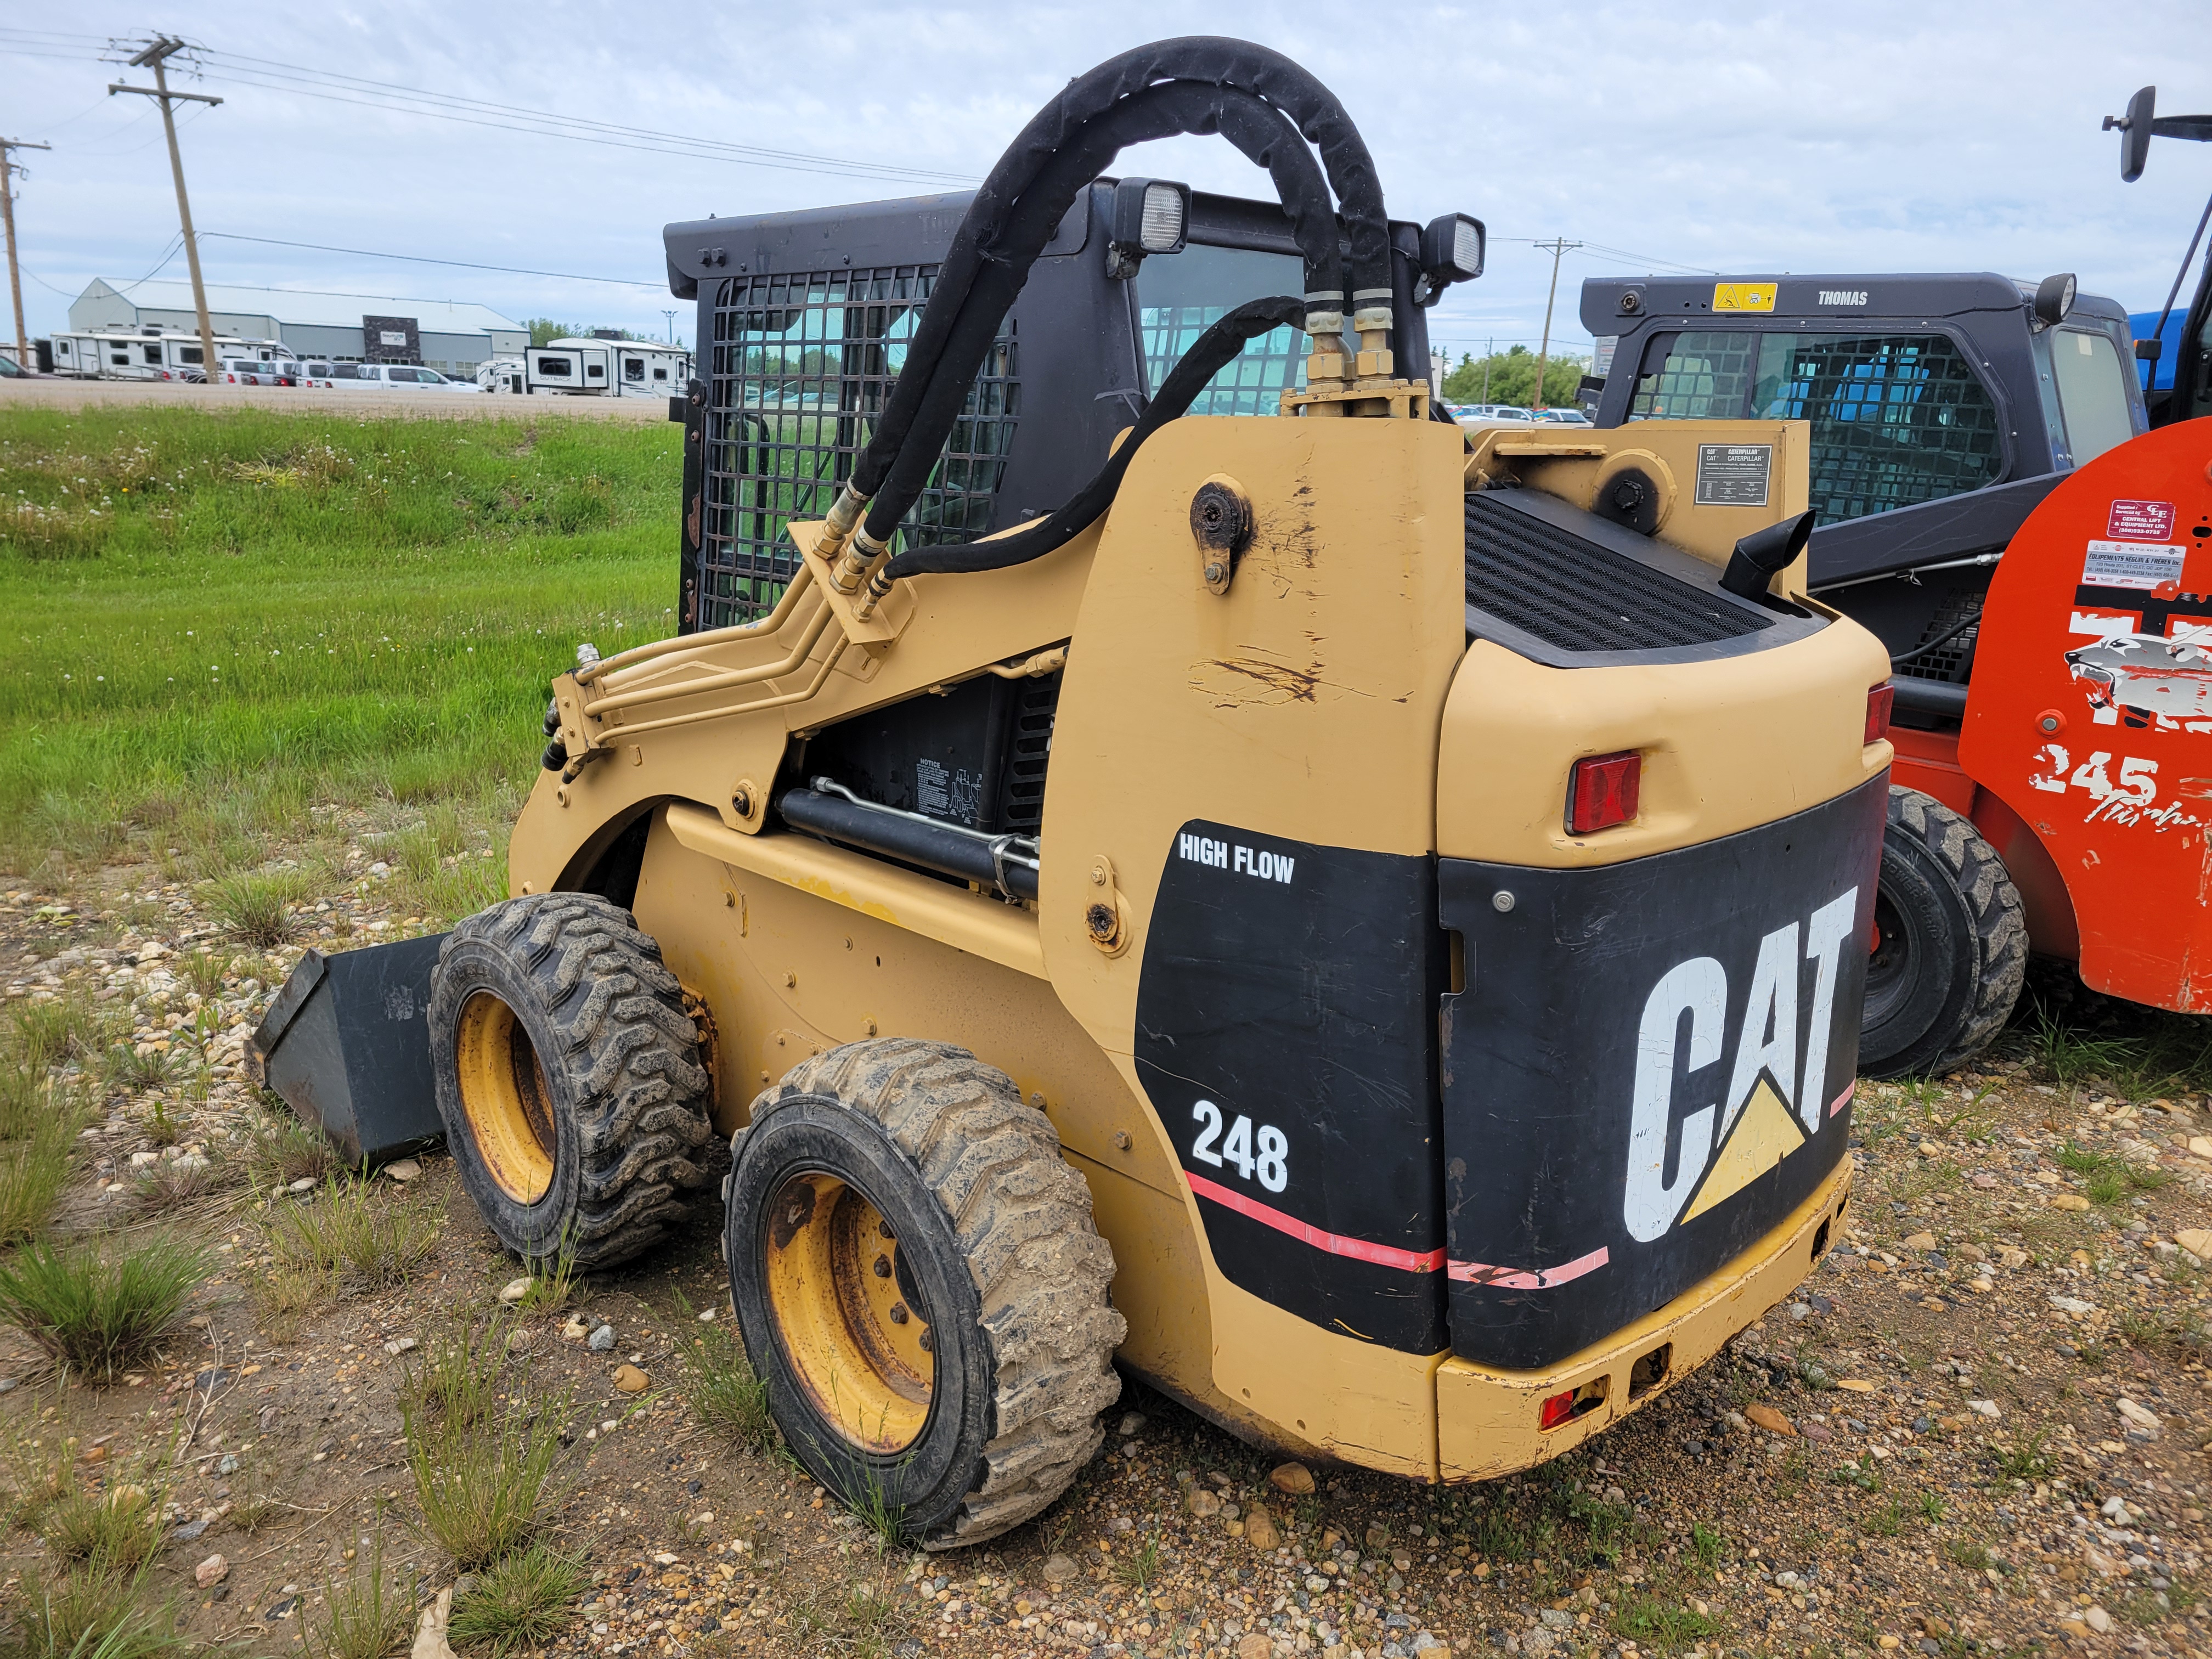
(1773, 1105)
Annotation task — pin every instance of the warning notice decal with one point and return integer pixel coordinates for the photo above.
(2140, 522)
(1744, 296)
(2133, 564)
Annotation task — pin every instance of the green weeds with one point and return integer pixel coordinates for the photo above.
(523, 1601)
(359, 1236)
(91, 1612)
(720, 1384)
(1663, 1621)
(454, 1377)
(483, 1486)
(367, 1616)
(97, 1312)
(258, 910)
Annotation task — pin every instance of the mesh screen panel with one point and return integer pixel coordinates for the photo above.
(1897, 419)
(1706, 376)
(1252, 384)
(801, 365)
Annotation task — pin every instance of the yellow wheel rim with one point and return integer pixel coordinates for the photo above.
(504, 1096)
(848, 1316)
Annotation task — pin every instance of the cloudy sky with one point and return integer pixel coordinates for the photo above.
(1861, 136)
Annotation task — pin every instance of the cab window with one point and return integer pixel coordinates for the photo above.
(1700, 377)
(2093, 393)
(1180, 295)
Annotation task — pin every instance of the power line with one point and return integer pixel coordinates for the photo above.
(1595, 250)
(453, 105)
(303, 81)
(550, 127)
(424, 259)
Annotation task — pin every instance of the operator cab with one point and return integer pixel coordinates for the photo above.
(811, 314)
(1942, 409)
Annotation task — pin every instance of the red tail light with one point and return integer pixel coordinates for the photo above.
(1557, 1410)
(1603, 792)
(1879, 702)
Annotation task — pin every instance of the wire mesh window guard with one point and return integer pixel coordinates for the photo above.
(801, 365)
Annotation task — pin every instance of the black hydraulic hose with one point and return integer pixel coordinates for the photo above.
(1941, 640)
(1257, 128)
(1311, 107)
(1216, 349)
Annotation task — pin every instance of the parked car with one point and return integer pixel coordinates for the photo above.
(12, 370)
(1493, 415)
(178, 372)
(1563, 417)
(249, 371)
(381, 377)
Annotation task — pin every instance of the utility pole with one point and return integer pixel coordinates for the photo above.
(8, 168)
(1489, 350)
(154, 56)
(671, 326)
(1556, 247)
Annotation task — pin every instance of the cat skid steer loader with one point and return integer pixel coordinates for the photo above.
(1360, 928)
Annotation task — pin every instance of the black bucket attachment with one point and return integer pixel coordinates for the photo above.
(347, 1045)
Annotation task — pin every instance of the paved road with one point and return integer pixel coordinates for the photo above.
(53, 391)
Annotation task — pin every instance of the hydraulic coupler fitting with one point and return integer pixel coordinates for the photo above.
(844, 519)
(1370, 321)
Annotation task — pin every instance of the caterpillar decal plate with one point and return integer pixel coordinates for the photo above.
(1650, 1067)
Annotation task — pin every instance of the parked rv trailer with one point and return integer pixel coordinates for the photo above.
(148, 354)
(502, 374)
(607, 368)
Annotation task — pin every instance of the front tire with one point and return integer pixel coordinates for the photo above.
(1952, 945)
(568, 1078)
(916, 1278)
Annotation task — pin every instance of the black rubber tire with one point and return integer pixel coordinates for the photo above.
(1954, 947)
(995, 1229)
(619, 1060)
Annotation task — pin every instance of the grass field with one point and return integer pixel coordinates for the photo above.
(217, 620)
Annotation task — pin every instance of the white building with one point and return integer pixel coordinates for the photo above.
(441, 334)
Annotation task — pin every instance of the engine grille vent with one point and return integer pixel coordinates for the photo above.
(1021, 810)
(1575, 595)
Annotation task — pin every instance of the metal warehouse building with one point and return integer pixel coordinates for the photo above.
(442, 334)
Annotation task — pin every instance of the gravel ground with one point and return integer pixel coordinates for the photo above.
(1979, 1427)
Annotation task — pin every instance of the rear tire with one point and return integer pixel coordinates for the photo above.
(1952, 950)
(916, 1278)
(568, 1078)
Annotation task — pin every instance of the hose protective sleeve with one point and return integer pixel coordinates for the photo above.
(982, 240)
(1215, 349)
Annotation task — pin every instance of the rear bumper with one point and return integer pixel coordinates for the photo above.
(1488, 1419)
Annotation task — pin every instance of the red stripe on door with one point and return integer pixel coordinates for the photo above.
(1513, 1279)
(1383, 1255)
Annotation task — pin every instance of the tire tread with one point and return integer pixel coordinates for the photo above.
(1022, 1218)
(2000, 921)
(631, 1053)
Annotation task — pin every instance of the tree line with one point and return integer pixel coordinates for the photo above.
(1510, 377)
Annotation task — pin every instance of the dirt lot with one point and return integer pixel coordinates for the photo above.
(1980, 1427)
